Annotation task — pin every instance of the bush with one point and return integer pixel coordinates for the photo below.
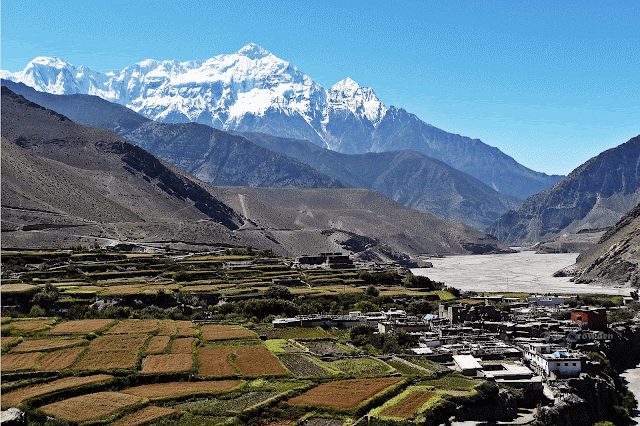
(620, 316)
(372, 291)
(417, 281)
(278, 292)
(46, 297)
(37, 311)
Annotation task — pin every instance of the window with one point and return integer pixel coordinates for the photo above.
(574, 364)
(566, 364)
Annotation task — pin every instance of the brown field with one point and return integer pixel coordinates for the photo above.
(27, 325)
(14, 362)
(157, 344)
(81, 326)
(205, 287)
(167, 363)
(13, 288)
(44, 344)
(408, 405)
(134, 327)
(153, 289)
(143, 416)
(16, 397)
(214, 362)
(59, 360)
(183, 346)
(187, 331)
(344, 394)
(222, 332)
(169, 390)
(121, 290)
(107, 360)
(183, 324)
(6, 340)
(255, 361)
(167, 328)
(91, 406)
(130, 342)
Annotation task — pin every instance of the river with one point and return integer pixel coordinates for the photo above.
(525, 271)
(632, 379)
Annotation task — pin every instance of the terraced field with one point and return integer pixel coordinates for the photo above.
(140, 359)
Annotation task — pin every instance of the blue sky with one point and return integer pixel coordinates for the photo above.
(549, 83)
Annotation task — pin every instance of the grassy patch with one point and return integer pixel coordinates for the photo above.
(360, 367)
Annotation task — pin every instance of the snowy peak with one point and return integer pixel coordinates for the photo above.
(362, 101)
(346, 86)
(228, 92)
(253, 51)
(50, 62)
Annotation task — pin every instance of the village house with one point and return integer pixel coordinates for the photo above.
(559, 363)
(592, 318)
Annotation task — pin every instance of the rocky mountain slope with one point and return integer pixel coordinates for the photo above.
(357, 220)
(408, 177)
(615, 259)
(411, 178)
(595, 195)
(64, 183)
(254, 91)
(211, 155)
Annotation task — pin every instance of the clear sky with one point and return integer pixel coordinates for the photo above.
(551, 83)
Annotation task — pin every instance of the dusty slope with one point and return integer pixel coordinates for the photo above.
(595, 195)
(211, 155)
(61, 180)
(409, 177)
(615, 259)
(307, 220)
(63, 183)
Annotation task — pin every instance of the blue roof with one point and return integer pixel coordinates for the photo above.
(560, 354)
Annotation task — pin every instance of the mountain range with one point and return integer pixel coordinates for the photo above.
(254, 91)
(219, 158)
(64, 183)
(595, 195)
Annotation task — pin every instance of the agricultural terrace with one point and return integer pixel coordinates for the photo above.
(45, 344)
(175, 389)
(185, 331)
(15, 398)
(145, 415)
(344, 394)
(257, 361)
(412, 401)
(90, 407)
(167, 363)
(82, 326)
(224, 332)
(249, 361)
(215, 362)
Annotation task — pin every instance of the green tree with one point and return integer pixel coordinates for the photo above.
(278, 292)
(365, 306)
(46, 296)
(372, 291)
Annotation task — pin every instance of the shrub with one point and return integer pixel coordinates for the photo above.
(372, 291)
(278, 292)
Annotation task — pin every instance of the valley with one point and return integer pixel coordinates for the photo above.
(227, 242)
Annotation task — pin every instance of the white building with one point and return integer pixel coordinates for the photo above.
(552, 364)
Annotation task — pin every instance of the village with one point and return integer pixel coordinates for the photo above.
(522, 349)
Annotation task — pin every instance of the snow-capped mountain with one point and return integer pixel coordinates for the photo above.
(254, 91)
